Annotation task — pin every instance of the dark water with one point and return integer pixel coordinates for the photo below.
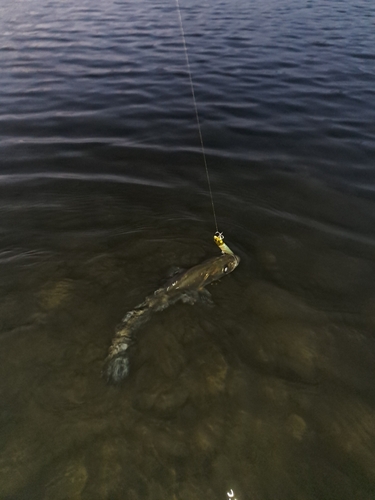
(271, 393)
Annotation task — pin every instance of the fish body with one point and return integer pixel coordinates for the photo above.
(187, 286)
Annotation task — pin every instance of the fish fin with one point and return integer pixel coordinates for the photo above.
(172, 274)
(174, 270)
(116, 368)
(193, 296)
(206, 298)
(190, 297)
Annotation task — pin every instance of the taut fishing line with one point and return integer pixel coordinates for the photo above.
(196, 111)
(218, 237)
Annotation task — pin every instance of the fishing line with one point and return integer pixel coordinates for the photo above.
(197, 115)
(218, 236)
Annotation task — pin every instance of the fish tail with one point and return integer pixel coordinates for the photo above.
(116, 368)
(116, 365)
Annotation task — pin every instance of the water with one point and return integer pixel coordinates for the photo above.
(270, 393)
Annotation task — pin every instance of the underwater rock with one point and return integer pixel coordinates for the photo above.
(18, 464)
(170, 356)
(282, 258)
(191, 491)
(348, 429)
(298, 265)
(368, 310)
(207, 372)
(339, 273)
(296, 426)
(272, 302)
(154, 392)
(208, 436)
(109, 473)
(289, 350)
(53, 295)
(170, 444)
(68, 482)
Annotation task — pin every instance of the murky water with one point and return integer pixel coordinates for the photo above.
(270, 393)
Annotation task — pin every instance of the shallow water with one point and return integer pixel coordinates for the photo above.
(102, 190)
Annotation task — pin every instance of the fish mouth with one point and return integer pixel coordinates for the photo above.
(232, 264)
(237, 260)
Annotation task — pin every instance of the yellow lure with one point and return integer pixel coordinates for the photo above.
(219, 240)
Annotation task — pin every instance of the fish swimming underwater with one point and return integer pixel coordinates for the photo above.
(187, 286)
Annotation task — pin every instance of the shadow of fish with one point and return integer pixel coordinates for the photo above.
(187, 286)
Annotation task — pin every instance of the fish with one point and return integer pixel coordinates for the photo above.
(185, 286)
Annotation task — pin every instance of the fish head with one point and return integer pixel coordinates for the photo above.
(203, 274)
(220, 266)
(229, 262)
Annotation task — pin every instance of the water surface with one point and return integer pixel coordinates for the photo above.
(103, 189)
